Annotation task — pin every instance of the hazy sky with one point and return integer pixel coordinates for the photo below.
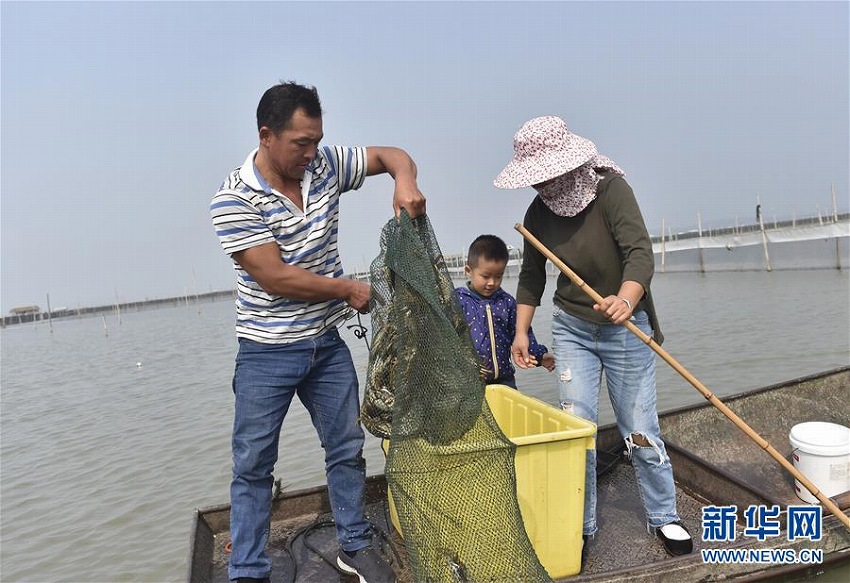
(120, 119)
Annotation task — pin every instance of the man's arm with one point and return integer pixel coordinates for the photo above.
(264, 265)
(398, 164)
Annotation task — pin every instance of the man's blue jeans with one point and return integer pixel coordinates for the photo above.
(320, 371)
(583, 350)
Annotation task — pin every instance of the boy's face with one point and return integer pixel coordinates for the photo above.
(486, 276)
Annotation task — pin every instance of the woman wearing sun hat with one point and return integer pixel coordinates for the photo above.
(586, 214)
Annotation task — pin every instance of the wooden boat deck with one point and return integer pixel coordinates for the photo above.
(622, 542)
(713, 461)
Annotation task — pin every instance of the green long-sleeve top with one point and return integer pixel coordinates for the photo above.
(605, 244)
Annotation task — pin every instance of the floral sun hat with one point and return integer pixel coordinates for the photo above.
(543, 149)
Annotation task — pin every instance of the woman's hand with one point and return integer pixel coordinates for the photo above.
(616, 308)
(519, 352)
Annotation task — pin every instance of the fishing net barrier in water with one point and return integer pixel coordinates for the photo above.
(450, 468)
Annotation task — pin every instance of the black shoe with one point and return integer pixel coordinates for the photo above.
(677, 540)
(252, 580)
(367, 564)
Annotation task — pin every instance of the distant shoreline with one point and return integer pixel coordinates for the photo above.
(743, 236)
(117, 308)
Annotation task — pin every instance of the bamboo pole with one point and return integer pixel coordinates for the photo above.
(731, 415)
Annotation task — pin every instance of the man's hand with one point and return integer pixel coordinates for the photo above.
(548, 361)
(358, 297)
(407, 196)
(398, 164)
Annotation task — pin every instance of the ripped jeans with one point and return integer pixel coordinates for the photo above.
(583, 351)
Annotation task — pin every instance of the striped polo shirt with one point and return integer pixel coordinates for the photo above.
(247, 212)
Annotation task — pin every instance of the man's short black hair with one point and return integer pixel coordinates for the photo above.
(489, 247)
(278, 104)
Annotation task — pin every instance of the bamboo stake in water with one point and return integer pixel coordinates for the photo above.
(763, 235)
(834, 205)
(700, 243)
(731, 415)
(49, 315)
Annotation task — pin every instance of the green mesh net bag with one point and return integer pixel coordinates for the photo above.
(450, 468)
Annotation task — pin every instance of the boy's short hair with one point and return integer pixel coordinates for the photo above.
(489, 247)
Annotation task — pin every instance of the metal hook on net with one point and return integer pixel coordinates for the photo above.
(359, 329)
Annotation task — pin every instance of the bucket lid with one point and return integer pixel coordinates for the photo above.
(819, 437)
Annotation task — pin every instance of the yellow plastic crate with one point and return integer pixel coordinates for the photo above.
(550, 464)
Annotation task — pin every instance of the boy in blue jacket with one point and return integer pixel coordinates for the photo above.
(491, 312)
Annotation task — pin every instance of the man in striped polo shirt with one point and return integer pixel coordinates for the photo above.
(277, 218)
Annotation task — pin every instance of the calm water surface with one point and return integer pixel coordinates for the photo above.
(113, 430)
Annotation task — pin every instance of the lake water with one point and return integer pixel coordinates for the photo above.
(114, 429)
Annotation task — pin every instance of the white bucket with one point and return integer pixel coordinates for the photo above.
(822, 454)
